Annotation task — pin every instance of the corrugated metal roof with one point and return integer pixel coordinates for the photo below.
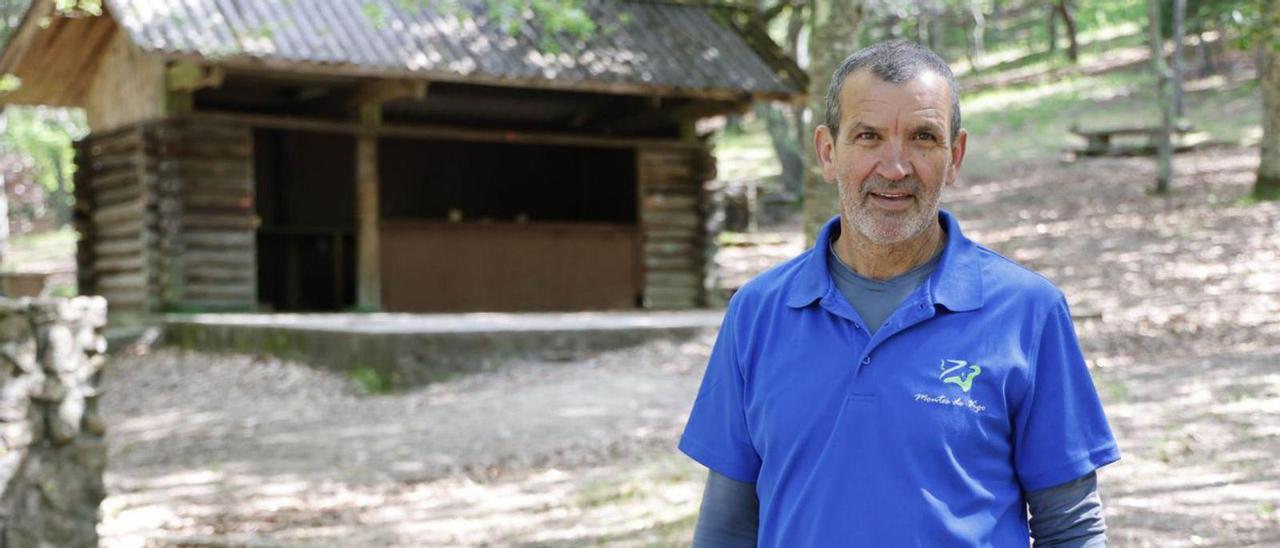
(645, 44)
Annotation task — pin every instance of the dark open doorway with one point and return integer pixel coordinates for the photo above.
(306, 200)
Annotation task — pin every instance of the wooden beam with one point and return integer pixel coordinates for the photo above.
(182, 79)
(425, 131)
(383, 91)
(187, 75)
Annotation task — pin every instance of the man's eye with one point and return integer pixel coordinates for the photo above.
(926, 136)
(865, 135)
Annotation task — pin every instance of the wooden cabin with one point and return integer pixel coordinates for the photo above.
(328, 155)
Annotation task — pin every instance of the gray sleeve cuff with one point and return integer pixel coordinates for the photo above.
(1068, 515)
(730, 514)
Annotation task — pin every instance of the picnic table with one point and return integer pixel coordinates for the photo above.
(1101, 141)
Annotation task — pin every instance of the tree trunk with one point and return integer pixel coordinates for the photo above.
(1267, 186)
(1164, 142)
(922, 27)
(784, 147)
(832, 37)
(1073, 47)
(935, 32)
(1204, 57)
(975, 37)
(1053, 30)
(795, 26)
(893, 30)
(4, 220)
(1179, 30)
(62, 193)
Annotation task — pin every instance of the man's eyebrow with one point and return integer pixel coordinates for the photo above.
(928, 125)
(859, 127)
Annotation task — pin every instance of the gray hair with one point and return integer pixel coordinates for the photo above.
(895, 62)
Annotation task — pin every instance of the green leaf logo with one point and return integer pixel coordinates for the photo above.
(962, 378)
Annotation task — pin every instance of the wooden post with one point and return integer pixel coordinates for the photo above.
(367, 100)
(1164, 144)
(368, 269)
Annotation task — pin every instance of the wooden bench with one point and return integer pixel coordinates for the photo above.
(1100, 141)
(23, 284)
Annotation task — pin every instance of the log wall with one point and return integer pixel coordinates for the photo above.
(206, 215)
(115, 215)
(166, 217)
(672, 219)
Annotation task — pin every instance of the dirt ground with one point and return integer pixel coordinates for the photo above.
(1178, 307)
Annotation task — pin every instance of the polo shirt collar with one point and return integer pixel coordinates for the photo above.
(956, 283)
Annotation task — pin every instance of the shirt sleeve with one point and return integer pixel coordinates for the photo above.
(716, 434)
(1060, 430)
(729, 516)
(1068, 515)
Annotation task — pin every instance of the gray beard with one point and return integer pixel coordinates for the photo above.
(898, 230)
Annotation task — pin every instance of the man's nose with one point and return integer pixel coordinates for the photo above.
(893, 164)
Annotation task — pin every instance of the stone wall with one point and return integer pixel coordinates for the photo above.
(52, 452)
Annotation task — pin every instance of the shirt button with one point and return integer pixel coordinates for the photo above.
(866, 360)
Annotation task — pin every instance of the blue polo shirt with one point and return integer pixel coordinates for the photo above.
(926, 433)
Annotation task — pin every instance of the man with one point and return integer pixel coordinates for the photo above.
(898, 384)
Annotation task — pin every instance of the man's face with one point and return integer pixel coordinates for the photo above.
(893, 154)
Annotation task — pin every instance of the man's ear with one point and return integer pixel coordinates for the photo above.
(825, 146)
(957, 156)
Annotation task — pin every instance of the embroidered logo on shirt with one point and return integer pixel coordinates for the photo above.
(963, 379)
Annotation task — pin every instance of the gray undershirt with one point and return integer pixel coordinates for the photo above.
(875, 300)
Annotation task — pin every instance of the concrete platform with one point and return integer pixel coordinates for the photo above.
(414, 349)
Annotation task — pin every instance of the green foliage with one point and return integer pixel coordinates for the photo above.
(44, 136)
(1244, 18)
(79, 7)
(369, 380)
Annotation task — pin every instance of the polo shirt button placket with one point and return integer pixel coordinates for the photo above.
(866, 360)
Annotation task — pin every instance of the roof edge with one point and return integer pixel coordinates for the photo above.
(20, 39)
(260, 64)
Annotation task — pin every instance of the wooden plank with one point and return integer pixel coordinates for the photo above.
(672, 279)
(129, 280)
(205, 167)
(238, 149)
(656, 233)
(426, 131)
(117, 195)
(125, 263)
(120, 300)
(209, 292)
(131, 227)
(124, 211)
(684, 263)
(221, 201)
(670, 248)
(235, 275)
(115, 161)
(216, 220)
(203, 258)
(130, 144)
(671, 202)
(250, 305)
(101, 181)
(122, 246)
(218, 239)
(175, 182)
(672, 219)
